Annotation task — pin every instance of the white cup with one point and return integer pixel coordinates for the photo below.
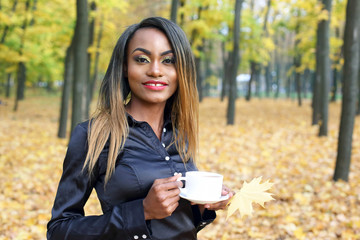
(202, 185)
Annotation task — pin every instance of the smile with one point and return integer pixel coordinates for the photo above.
(155, 84)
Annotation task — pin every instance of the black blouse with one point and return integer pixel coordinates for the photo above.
(144, 159)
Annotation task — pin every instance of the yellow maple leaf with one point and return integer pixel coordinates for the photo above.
(252, 192)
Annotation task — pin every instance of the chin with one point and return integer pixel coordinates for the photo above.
(157, 99)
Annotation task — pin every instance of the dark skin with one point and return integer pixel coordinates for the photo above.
(163, 198)
(153, 80)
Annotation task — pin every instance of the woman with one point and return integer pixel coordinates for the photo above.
(132, 152)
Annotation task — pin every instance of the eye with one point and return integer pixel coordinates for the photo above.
(169, 60)
(142, 59)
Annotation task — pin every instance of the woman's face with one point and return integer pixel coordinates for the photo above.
(151, 67)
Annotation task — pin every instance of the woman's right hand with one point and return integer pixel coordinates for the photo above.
(162, 198)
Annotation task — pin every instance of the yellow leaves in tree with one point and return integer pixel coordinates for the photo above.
(252, 192)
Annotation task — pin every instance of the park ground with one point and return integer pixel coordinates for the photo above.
(271, 138)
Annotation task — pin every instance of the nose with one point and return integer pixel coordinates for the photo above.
(155, 69)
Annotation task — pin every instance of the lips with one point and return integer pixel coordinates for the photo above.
(155, 85)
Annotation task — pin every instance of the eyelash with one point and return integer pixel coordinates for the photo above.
(144, 59)
(171, 59)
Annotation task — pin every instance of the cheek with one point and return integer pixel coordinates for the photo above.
(174, 78)
(132, 74)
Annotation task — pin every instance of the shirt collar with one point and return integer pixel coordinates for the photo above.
(132, 121)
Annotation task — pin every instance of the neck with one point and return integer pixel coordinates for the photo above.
(153, 114)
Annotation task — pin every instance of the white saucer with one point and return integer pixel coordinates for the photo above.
(203, 201)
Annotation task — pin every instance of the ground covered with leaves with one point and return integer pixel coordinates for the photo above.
(271, 138)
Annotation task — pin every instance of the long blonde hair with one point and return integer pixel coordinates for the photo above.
(110, 121)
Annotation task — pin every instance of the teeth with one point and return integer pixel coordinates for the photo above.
(155, 85)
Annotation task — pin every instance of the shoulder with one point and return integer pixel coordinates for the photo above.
(79, 135)
(84, 126)
(80, 130)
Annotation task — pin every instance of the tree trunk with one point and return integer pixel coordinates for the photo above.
(298, 87)
(236, 61)
(21, 75)
(350, 90)
(8, 85)
(257, 80)
(81, 42)
(182, 16)
(267, 68)
(278, 80)
(96, 63)
(288, 86)
(2, 41)
(174, 9)
(7, 27)
(358, 102)
(297, 64)
(316, 84)
(252, 79)
(89, 79)
(334, 84)
(199, 77)
(267, 80)
(66, 92)
(208, 71)
(324, 69)
(225, 75)
(335, 76)
(278, 69)
(306, 81)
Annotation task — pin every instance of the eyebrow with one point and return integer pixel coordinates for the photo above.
(149, 53)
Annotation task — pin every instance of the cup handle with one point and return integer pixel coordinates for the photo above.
(183, 189)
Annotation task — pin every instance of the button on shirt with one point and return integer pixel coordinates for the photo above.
(143, 159)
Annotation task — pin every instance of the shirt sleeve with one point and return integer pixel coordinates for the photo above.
(202, 220)
(124, 221)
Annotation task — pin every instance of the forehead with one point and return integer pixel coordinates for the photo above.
(149, 38)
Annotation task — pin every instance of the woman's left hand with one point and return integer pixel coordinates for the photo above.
(219, 205)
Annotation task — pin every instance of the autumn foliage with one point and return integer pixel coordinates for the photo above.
(270, 138)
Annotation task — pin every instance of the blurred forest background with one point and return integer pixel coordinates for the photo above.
(278, 84)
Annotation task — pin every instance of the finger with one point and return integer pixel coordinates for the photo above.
(166, 180)
(225, 190)
(175, 192)
(218, 205)
(166, 190)
(171, 203)
(169, 186)
(171, 208)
